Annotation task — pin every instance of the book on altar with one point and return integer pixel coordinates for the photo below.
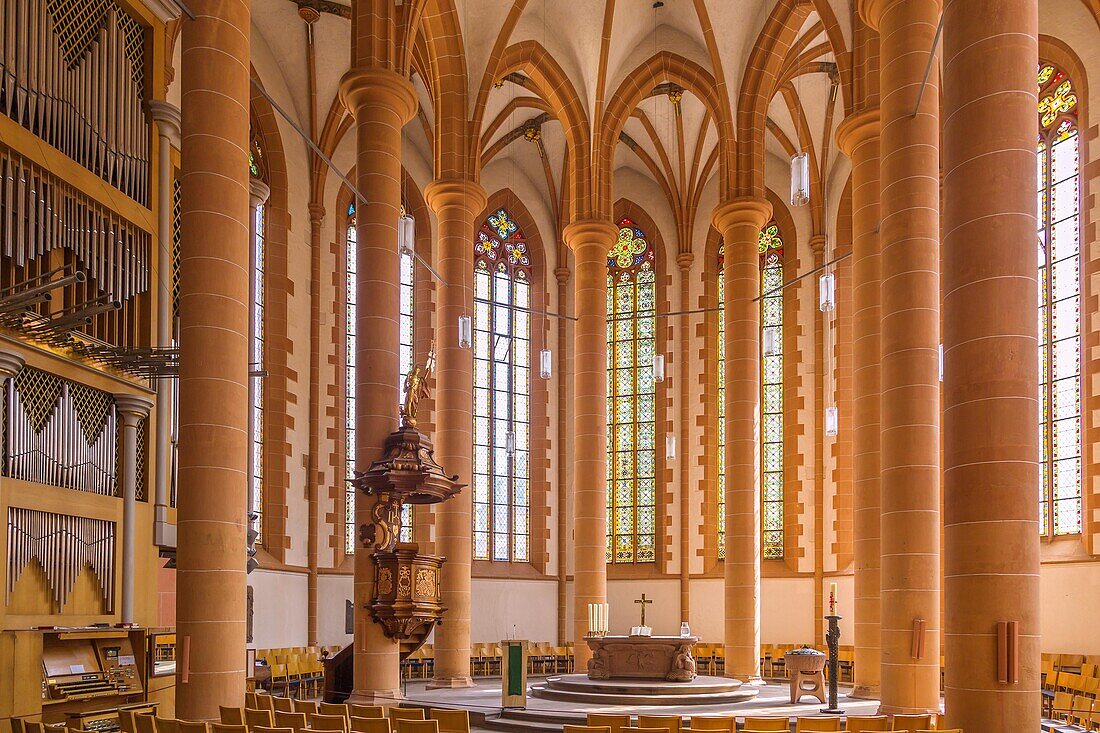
(641, 631)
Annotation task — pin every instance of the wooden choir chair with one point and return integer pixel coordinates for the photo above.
(806, 725)
(396, 713)
(367, 711)
(451, 721)
(912, 723)
(672, 723)
(767, 724)
(611, 720)
(370, 725)
(320, 721)
(407, 725)
(861, 723)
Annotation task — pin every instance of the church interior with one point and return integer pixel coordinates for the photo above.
(428, 366)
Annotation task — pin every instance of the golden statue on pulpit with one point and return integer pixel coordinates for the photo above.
(416, 388)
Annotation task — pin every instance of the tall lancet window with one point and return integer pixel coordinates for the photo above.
(502, 389)
(771, 390)
(631, 398)
(1059, 205)
(405, 355)
(256, 353)
(771, 394)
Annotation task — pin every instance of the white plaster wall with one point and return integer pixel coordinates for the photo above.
(786, 610)
(279, 615)
(1069, 596)
(531, 605)
(333, 592)
(663, 615)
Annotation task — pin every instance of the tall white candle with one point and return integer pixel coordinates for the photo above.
(832, 599)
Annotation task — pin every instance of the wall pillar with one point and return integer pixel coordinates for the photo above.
(313, 487)
(740, 222)
(131, 410)
(910, 316)
(213, 405)
(381, 102)
(991, 431)
(590, 241)
(858, 138)
(456, 203)
(684, 260)
(167, 117)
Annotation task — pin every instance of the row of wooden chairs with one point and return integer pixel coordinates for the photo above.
(1073, 661)
(310, 717)
(621, 723)
(1072, 709)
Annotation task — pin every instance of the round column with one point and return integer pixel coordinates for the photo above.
(456, 204)
(684, 260)
(213, 404)
(991, 433)
(381, 102)
(910, 317)
(858, 138)
(167, 117)
(740, 222)
(313, 544)
(131, 410)
(590, 241)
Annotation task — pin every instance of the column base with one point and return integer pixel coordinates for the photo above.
(450, 683)
(894, 710)
(751, 680)
(375, 697)
(865, 692)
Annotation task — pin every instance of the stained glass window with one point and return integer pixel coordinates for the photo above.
(771, 390)
(770, 247)
(406, 356)
(256, 411)
(631, 398)
(1059, 264)
(502, 377)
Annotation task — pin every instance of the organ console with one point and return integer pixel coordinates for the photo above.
(84, 673)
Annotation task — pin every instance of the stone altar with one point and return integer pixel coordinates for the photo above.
(669, 658)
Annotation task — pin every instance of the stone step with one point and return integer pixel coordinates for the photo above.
(699, 686)
(547, 693)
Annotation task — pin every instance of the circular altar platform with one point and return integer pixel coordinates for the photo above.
(702, 690)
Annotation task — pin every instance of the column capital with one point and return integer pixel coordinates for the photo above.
(132, 408)
(258, 192)
(562, 274)
(817, 243)
(871, 10)
(167, 117)
(747, 210)
(446, 193)
(857, 129)
(589, 232)
(316, 212)
(366, 86)
(10, 364)
(685, 260)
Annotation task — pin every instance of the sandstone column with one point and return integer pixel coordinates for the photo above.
(313, 542)
(258, 191)
(991, 416)
(456, 203)
(131, 410)
(381, 101)
(684, 260)
(858, 138)
(590, 240)
(910, 407)
(740, 221)
(213, 409)
(167, 118)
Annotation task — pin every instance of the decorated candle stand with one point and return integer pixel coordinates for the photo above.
(832, 638)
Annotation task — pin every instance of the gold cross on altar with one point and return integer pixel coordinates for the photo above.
(643, 601)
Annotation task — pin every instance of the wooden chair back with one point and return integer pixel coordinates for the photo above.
(294, 721)
(279, 704)
(265, 729)
(396, 713)
(451, 721)
(860, 723)
(719, 722)
(804, 725)
(126, 723)
(253, 718)
(761, 724)
(167, 725)
(145, 723)
(305, 706)
(637, 729)
(320, 721)
(1082, 710)
(912, 723)
(367, 711)
(370, 725)
(192, 726)
(1063, 704)
(227, 728)
(672, 723)
(586, 728)
(615, 722)
(231, 716)
(331, 708)
(406, 725)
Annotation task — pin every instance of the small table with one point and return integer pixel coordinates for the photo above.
(669, 658)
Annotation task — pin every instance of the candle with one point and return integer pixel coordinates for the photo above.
(591, 618)
(832, 599)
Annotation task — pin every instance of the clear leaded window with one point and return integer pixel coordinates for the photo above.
(405, 352)
(771, 394)
(1059, 262)
(256, 412)
(771, 390)
(631, 398)
(502, 378)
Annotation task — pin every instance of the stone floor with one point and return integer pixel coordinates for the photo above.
(544, 716)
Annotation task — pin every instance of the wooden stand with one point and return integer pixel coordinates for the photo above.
(513, 673)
